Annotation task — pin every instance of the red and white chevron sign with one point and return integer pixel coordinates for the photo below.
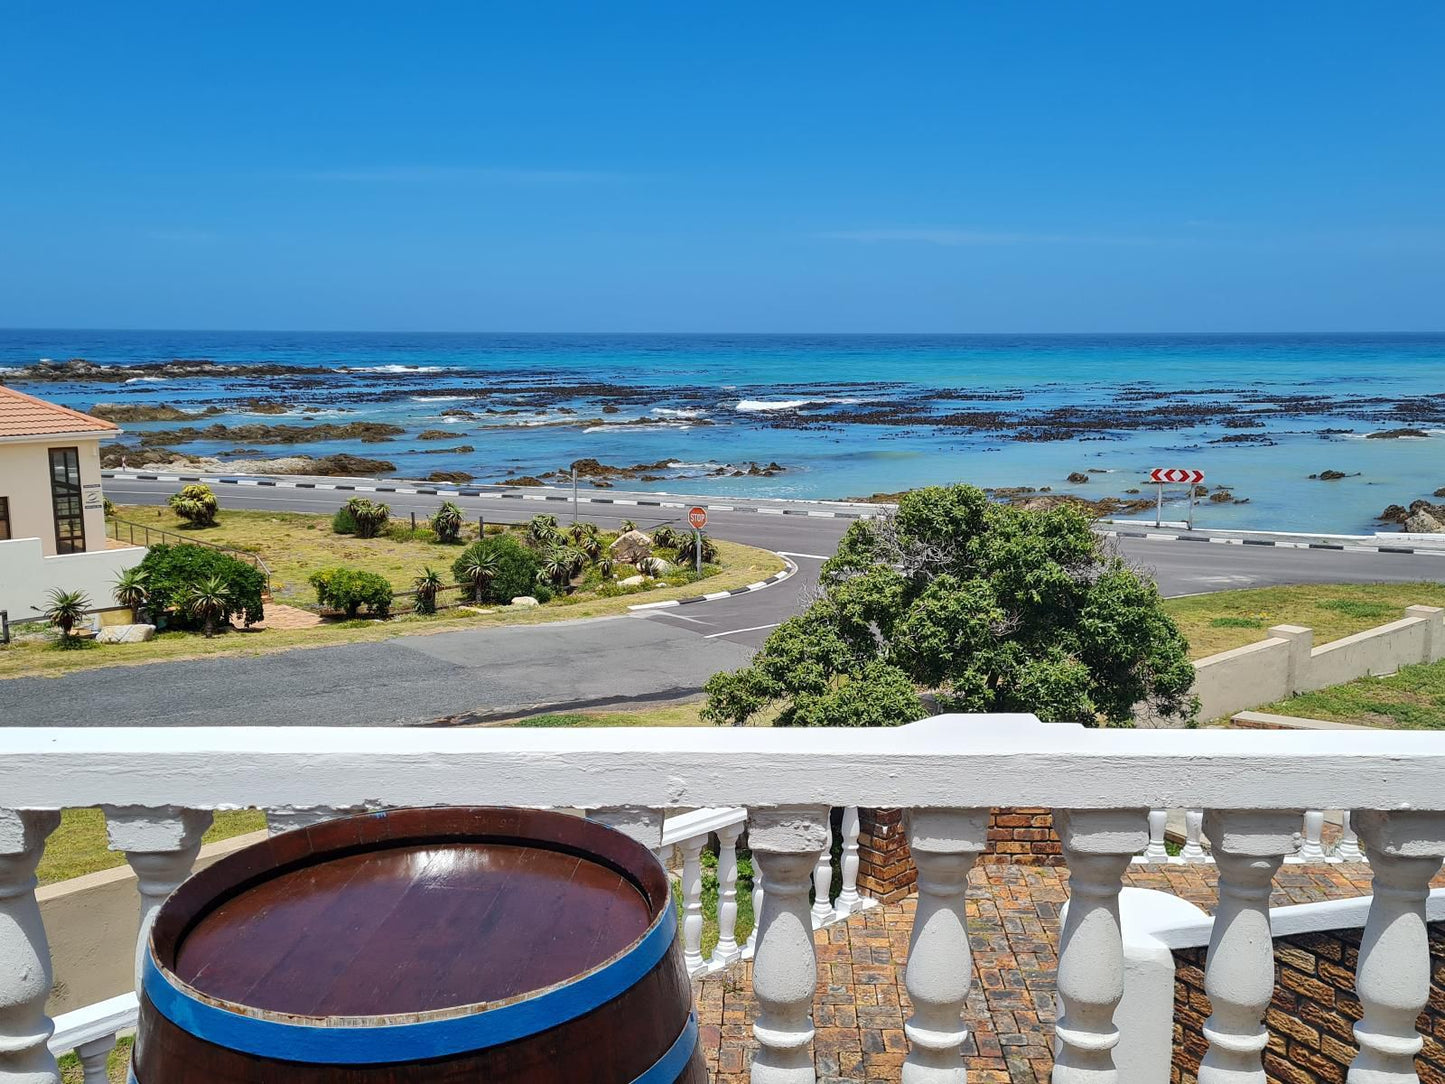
(1176, 474)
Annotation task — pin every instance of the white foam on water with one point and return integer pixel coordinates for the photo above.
(747, 406)
(674, 412)
(146, 380)
(441, 398)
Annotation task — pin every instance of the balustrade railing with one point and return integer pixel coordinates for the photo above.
(159, 787)
(1315, 847)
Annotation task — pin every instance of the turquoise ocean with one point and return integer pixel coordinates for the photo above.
(843, 415)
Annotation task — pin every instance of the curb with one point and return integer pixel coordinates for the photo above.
(1163, 536)
(459, 491)
(761, 585)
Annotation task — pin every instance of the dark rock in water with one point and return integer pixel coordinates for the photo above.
(459, 477)
(1395, 434)
(1078, 477)
(1329, 475)
(262, 433)
(611, 408)
(1395, 513)
(525, 480)
(147, 412)
(256, 406)
(1439, 492)
(1201, 491)
(460, 449)
(1131, 491)
(435, 434)
(350, 465)
(1243, 423)
(111, 456)
(458, 412)
(1244, 438)
(80, 370)
(1221, 496)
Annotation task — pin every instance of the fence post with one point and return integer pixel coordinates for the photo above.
(413, 521)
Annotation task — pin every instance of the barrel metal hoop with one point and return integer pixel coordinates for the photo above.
(670, 1066)
(371, 1045)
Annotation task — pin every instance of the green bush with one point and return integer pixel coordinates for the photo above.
(172, 570)
(370, 517)
(196, 504)
(349, 589)
(343, 522)
(513, 569)
(447, 522)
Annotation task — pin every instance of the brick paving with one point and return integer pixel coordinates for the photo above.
(1013, 922)
(281, 616)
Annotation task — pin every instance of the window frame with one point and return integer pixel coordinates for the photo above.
(60, 490)
(5, 531)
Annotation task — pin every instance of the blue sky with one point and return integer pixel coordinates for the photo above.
(961, 166)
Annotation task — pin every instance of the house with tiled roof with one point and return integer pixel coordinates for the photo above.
(52, 510)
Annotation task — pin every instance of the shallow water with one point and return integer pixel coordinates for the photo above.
(846, 415)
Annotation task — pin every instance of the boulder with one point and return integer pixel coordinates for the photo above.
(1396, 434)
(125, 634)
(1423, 522)
(1329, 475)
(631, 547)
(653, 566)
(1078, 476)
(1395, 513)
(1221, 496)
(1439, 492)
(524, 602)
(632, 581)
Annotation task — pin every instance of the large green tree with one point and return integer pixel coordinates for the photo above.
(983, 606)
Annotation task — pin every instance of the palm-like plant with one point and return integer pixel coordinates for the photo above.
(195, 504)
(427, 584)
(542, 530)
(369, 516)
(66, 610)
(209, 601)
(606, 568)
(688, 546)
(665, 537)
(447, 522)
(591, 546)
(627, 525)
(477, 572)
(558, 566)
(652, 566)
(131, 590)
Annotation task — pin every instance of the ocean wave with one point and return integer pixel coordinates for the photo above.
(441, 398)
(391, 369)
(674, 412)
(634, 427)
(146, 380)
(748, 406)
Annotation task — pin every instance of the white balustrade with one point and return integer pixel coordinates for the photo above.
(160, 785)
(692, 904)
(1311, 848)
(1392, 978)
(944, 844)
(1155, 851)
(1098, 846)
(823, 889)
(751, 947)
(1249, 847)
(1348, 848)
(785, 841)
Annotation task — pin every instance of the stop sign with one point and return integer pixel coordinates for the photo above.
(697, 516)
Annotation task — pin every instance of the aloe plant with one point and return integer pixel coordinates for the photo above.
(427, 584)
(209, 601)
(66, 610)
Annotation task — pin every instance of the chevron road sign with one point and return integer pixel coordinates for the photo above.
(1176, 474)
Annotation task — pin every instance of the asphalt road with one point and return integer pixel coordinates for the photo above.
(647, 655)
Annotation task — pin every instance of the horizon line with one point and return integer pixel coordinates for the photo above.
(402, 331)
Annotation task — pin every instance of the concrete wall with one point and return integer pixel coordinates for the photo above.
(27, 576)
(1288, 662)
(91, 923)
(25, 481)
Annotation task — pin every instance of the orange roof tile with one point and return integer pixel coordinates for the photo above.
(24, 415)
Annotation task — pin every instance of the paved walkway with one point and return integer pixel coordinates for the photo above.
(281, 616)
(1013, 920)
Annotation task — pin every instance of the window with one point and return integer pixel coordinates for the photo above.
(67, 500)
(4, 518)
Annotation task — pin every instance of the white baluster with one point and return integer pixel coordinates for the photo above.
(785, 841)
(848, 899)
(1098, 845)
(1312, 849)
(25, 973)
(93, 1057)
(944, 843)
(1249, 846)
(727, 950)
(161, 846)
(1155, 851)
(1393, 975)
(1348, 848)
(1193, 853)
(751, 948)
(822, 889)
(692, 904)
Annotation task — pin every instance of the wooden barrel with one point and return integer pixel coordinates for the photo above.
(439, 945)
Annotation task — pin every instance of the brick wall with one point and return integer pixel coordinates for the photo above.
(1313, 1012)
(1024, 836)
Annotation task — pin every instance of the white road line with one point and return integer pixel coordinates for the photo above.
(809, 556)
(734, 632)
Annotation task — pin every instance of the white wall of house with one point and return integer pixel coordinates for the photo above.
(27, 575)
(25, 481)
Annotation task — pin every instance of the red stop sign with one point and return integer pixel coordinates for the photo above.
(697, 517)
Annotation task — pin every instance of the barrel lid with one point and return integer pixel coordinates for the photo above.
(397, 915)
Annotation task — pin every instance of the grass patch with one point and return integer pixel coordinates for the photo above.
(115, 1067)
(78, 846)
(1412, 699)
(1229, 619)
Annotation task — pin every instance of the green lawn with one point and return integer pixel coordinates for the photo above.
(1227, 619)
(1412, 699)
(78, 846)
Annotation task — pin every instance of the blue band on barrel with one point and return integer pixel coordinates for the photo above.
(670, 1066)
(417, 1041)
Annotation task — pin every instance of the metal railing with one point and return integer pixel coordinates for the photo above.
(160, 534)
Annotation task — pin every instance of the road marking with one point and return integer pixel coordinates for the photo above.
(734, 632)
(809, 556)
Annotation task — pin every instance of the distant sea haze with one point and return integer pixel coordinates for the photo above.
(841, 415)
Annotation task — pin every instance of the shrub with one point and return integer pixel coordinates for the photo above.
(426, 585)
(196, 504)
(130, 590)
(515, 571)
(66, 610)
(349, 589)
(542, 530)
(172, 570)
(664, 537)
(447, 522)
(687, 548)
(207, 601)
(369, 516)
(343, 522)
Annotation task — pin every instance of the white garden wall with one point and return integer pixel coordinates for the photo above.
(27, 576)
(1288, 663)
